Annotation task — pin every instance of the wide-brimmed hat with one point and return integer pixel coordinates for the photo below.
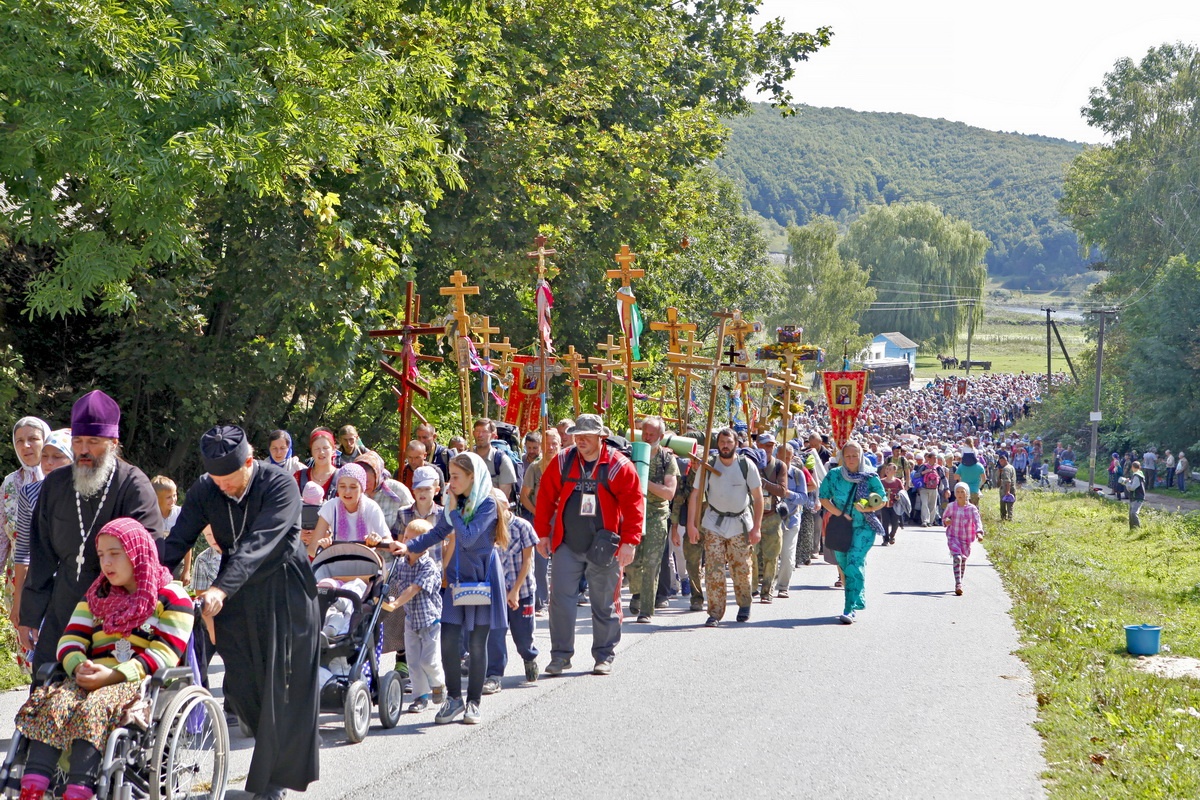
(588, 424)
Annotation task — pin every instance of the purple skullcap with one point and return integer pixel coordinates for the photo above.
(96, 414)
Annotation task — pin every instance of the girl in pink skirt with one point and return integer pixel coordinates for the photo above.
(963, 527)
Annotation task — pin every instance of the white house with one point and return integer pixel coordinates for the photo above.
(891, 346)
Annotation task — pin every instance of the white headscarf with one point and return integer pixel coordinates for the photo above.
(34, 473)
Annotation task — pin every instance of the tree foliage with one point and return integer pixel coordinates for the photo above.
(839, 163)
(926, 269)
(220, 199)
(824, 293)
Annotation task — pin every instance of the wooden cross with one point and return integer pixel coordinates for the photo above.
(572, 360)
(408, 355)
(544, 270)
(739, 355)
(673, 327)
(625, 273)
(462, 333)
(602, 367)
(482, 327)
(682, 364)
(790, 382)
(536, 373)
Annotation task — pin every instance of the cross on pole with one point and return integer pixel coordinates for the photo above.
(482, 327)
(544, 270)
(738, 355)
(673, 327)
(462, 332)
(626, 273)
(406, 376)
(689, 353)
(790, 382)
(572, 360)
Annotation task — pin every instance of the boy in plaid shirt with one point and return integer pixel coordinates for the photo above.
(418, 587)
(963, 527)
(518, 580)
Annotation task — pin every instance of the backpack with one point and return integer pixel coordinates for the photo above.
(930, 478)
(504, 451)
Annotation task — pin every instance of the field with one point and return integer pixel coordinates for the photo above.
(1077, 575)
(1013, 343)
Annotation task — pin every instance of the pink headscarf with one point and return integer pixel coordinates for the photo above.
(355, 473)
(116, 609)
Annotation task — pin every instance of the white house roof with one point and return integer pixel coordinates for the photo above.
(898, 339)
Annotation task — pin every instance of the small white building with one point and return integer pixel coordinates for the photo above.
(891, 346)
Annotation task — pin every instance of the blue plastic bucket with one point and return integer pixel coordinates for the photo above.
(1142, 640)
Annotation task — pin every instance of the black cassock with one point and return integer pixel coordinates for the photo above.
(267, 631)
(53, 586)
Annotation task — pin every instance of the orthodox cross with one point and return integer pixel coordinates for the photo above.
(462, 332)
(689, 354)
(790, 382)
(406, 377)
(625, 273)
(739, 356)
(572, 360)
(481, 327)
(673, 327)
(602, 368)
(544, 271)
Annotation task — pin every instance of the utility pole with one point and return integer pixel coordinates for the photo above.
(1048, 311)
(970, 333)
(1096, 397)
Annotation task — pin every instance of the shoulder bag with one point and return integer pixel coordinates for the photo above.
(839, 531)
(469, 593)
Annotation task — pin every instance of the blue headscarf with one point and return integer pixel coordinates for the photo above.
(481, 489)
(277, 435)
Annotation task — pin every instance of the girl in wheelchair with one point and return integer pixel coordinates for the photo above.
(132, 622)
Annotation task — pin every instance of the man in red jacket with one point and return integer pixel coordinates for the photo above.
(589, 497)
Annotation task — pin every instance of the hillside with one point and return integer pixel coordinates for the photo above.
(838, 162)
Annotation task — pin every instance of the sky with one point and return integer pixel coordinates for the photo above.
(1019, 65)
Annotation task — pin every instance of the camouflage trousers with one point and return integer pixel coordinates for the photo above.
(765, 559)
(719, 552)
(644, 571)
(693, 555)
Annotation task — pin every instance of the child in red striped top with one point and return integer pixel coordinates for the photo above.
(132, 622)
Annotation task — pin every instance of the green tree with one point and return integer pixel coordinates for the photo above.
(927, 270)
(823, 292)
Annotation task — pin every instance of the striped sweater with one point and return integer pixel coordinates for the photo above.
(158, 643)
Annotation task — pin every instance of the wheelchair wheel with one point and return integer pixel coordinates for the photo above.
(190, 759)
(391, 699)
(357, 711)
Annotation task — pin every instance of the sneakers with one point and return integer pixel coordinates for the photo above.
(557, 666)
(450, 711)
(685, 587)
(697, 603)
(531, 671)
(766, 598)
(743, 614)
(439, 695)
(958, 590)
(846, 619)
(643, 618)
(664, 603)
(419, 705)
(782, 594)
(711, 622)
(603, 668)
(471, 715)
(492, 686)
(635, 605)
(583, 600)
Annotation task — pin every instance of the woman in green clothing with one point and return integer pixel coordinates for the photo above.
(844, 487)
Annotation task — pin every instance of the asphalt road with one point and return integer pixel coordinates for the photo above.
(920, 699)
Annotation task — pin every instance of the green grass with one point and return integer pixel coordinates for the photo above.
(10, 674)
(1077, 574)
(1014, 343)
(1192, 492)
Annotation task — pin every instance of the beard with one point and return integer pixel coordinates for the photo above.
(90, 480)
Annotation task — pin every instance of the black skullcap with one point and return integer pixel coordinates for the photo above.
(224, 449)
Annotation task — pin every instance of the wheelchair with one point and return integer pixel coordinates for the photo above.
(179, 751)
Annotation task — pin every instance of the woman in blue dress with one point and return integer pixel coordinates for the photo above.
(842, 489)
(470, 515)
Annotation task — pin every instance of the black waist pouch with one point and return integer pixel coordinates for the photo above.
(603, 549)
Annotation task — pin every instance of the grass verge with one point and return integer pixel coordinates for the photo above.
(1077, 574)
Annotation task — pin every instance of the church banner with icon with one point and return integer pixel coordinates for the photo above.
(844, 392)
(524, 403)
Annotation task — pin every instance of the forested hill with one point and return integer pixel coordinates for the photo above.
(838, 162)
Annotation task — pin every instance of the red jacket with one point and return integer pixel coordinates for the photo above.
(622, 505)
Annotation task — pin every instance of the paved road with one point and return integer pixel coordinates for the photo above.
(920, 699)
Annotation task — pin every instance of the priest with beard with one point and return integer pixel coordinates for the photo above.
(73, 506)
(263, 604)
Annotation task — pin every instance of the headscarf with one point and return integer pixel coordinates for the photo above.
(283, 435)
(34, 473)
(963, 485)
(313, 494)
(375, 462)
(60, 440)
(862, 486)
(481, 489)
(319, 433)
(116, 609)
(355, 473)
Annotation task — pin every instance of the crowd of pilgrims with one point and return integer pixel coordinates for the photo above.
(100, 560)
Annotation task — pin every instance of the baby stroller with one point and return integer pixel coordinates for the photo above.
(350, 659)
(1066, 473)
(177, 749)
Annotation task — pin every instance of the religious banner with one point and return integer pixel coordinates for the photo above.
(946, 389)
(844, 391)
(962, 387)
(524, 403)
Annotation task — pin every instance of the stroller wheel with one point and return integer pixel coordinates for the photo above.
(357, 711)
(391, 699)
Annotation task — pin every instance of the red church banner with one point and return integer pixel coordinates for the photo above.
(844, 392)
(524, 405)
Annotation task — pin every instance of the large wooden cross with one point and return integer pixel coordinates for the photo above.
(409, 355)
(739, 355)
(689, 353)
(482, 327)
(790, 382)
(462, 333)
(674, 327)
(625, 273)
(572, 360)
(544, 270)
